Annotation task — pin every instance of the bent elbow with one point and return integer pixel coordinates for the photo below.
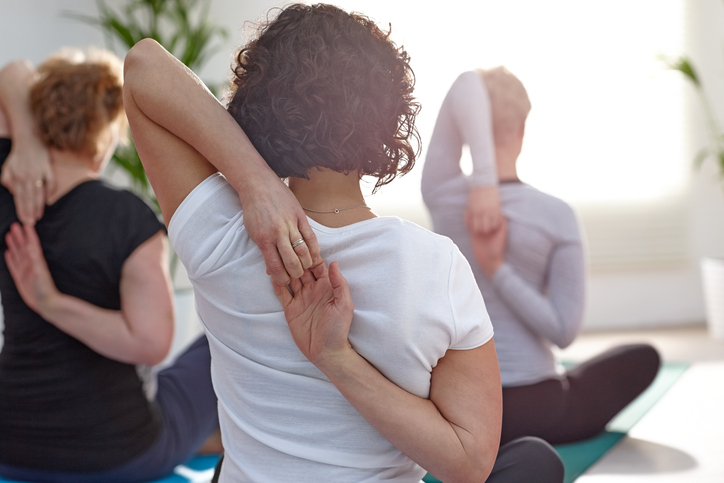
(137, 56)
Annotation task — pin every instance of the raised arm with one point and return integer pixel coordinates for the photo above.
(465, 119)
(27, 172)
(183, 135)
(454, 434)
(139, 333)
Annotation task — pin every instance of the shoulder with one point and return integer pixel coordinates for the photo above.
(549, 213)
(120, 200)
(412, 239)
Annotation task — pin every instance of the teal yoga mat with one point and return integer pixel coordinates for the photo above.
(198, 470)
(578, 457)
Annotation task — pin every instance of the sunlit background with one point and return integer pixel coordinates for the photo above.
(607, 117)
(612, 130)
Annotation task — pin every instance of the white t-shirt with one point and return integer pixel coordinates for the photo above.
(282, 420)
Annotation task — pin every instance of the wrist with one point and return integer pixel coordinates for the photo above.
(49, 305)
(492, 268)
(336, 363)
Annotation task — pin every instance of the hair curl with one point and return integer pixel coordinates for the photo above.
(76, 98)
(320, 87)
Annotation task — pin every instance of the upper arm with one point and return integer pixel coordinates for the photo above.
(465, 387)
(146, 297)
(174, 168)
(4, 126)
(473, 117)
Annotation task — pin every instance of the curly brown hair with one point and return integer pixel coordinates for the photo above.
(76, 98)
(320, 87)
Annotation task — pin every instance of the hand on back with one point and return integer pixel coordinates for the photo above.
(28, 268)
(483, 211)
(489, 248)
(318, 308)
(276, 222)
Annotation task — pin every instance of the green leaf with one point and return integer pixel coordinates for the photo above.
(684, 65)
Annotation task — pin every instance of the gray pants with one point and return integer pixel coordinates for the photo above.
(523, 460)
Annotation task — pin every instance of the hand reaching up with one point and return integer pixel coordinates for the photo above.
(318, 308)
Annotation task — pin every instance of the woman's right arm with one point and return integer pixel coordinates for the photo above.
(139, 333)
(183, 135)
(27, 172)
(454, 434)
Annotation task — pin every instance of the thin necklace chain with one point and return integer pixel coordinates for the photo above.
(336, 210)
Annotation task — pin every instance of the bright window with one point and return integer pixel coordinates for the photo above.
(607, 121)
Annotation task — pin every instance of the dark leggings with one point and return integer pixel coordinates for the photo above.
(188, 406)
(579, 405)
(524, 460)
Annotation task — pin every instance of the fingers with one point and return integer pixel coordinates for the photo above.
(29, 200)
(292, 264)
(310, 239)
(283, 294)
(307, 277)
(340, 285)
(301, 248)
(295, 285)
(50, 184)
(274, 265)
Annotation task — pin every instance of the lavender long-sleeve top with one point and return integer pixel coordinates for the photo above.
(536, 298)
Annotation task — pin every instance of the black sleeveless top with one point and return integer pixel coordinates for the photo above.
(64, 407)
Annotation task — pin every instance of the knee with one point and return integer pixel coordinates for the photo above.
(645, 359)
(528, 459)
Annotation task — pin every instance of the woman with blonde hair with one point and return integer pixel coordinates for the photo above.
(85, 291)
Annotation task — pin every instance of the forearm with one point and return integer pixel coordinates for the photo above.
(414, 425)
(103, 330)
(470, 105)
(556, 315)
(16, 79)
(169, 94)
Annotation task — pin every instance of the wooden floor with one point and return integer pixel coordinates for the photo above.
(681, 439)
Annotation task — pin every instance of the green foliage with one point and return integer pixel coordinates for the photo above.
(181, 26)
(715, 149)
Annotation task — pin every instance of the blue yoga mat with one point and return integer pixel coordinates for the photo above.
(198, 470)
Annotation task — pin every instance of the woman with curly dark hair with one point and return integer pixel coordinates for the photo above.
(311, 386)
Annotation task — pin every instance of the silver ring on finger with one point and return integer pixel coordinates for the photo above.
(298, 242)
(38, 183)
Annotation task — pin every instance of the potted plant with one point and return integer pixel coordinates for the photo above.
(712, 269)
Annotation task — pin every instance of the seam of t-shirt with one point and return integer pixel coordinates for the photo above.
(449, 301)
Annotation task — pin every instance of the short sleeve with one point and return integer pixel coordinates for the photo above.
(205, 224)
(140, 223)
(473, 327)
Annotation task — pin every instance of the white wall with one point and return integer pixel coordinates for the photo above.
(618, 298)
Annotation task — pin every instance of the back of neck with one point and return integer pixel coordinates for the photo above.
(331, 199)
(70, 169)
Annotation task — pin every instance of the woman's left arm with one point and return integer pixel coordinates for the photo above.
(454, 434)
(183, 134)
